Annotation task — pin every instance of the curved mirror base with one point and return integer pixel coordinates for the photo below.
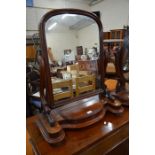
(76, 115)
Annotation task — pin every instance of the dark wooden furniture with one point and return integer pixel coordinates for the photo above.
(78, 112)
(117, 50)
(106, 35)
(117, 34)
(72, 112)
(114, 38)
(107, 137)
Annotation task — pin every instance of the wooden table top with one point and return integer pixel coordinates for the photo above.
(77, 141)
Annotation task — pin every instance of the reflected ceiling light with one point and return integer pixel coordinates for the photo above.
(51, 27)
(68, 15)
(89, 112)
(93, 2)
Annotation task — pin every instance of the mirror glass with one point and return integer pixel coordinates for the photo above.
(73, 50)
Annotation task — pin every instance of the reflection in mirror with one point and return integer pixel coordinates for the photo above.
(73, 50)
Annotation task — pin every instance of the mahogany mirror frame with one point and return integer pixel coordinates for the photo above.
(45, 75)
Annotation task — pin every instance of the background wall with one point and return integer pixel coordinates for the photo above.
(61, 41)
(88, 37)
(61, 4)
(114, 13)
(34, 14)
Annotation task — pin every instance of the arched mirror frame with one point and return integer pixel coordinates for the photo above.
(45, 71)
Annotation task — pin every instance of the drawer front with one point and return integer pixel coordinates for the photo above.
(111, 144)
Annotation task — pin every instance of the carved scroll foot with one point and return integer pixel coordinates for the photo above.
(114, 106)
(53, 134)
(123, 96)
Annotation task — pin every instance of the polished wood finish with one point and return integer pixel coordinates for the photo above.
(28, 145)
(108, 136)
(81, 112)
(50, 129)
(76, 115)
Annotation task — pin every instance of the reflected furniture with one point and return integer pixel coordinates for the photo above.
(62, 89)
(54, 71)
(74, 67)
(114, 38)
(88, 65)
(84, 84)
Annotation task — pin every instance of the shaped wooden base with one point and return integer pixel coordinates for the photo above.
(76, 115)
(52, 135)
(123, 96)
(114, 106)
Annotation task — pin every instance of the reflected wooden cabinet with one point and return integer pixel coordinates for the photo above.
(117, 34)
(114, 38)
(106, 35)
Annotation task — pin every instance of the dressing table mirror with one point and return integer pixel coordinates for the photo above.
(71, 81)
